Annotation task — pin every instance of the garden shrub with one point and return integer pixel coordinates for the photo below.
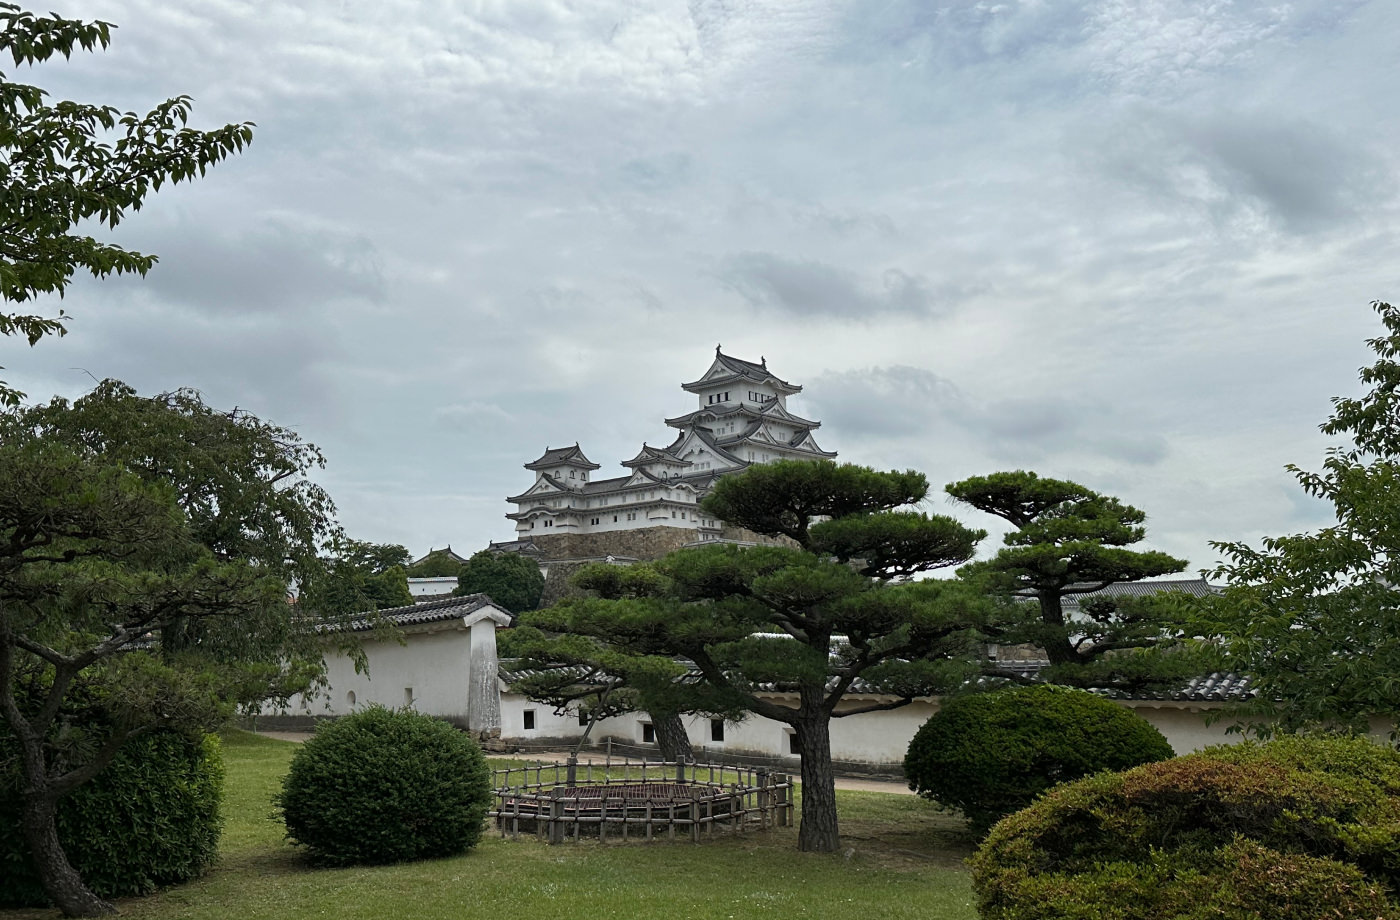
(1296, 828)
(385, 786)
(991, 754)
(150, 819)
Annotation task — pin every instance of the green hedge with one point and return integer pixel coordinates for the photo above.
(991, 754)
(1298, 828)
(150, 819)
(385, 786)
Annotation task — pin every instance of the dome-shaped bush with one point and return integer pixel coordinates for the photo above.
(990, 754)
(384, 786)
(150, 819)
(1291, 830)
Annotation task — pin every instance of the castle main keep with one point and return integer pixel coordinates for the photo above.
(741, 418)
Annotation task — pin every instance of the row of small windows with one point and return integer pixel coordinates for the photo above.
(649, 729)
(718, 398)
(761, 397)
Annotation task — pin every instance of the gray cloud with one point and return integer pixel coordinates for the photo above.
(1297, 175)
(902, 402)
(1139, 236)
(809, 288)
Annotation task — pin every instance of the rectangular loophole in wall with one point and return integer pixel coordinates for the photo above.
(716, 729)
(529, 720)
(408, 697)
(792, 744)
(648, 733)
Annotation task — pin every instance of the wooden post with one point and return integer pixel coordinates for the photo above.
(763, 798)
(608, 761)
(572, 779)
(556, 820)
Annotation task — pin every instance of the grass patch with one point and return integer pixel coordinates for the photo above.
(903, 859)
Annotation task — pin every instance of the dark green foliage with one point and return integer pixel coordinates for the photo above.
(385, 786)
(1070, 540)
(1302, 828)
(150, 819)
(513, 581)
(807, 618)
(991, 754)
(440, 563)
(359, 577)
(1314, 618)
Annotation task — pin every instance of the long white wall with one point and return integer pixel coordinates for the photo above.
(873, 738)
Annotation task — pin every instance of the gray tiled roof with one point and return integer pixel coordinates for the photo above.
(451, 608)
(572, 455)
(1214, 688)
(1197, 587)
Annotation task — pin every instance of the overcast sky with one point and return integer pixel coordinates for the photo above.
(1126, 242)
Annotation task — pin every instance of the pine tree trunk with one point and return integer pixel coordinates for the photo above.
(819, 832)
(61, 881)
(670, 736)
(1055, 636)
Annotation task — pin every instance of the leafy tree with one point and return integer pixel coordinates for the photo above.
(439, 563)
(94, 565)
(147, 547)
(1070, 540)
(786, 631)
(360, 576)
(62, 168)
(510, 579)
(1314, 618)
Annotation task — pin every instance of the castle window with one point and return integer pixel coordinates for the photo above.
(529, 720)
(571, 474)
(716, 729)
(614, 519)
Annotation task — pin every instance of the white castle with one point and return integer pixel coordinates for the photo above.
(741, 418)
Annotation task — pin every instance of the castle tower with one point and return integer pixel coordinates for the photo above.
(741, 418)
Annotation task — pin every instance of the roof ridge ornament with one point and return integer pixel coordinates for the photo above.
(716, 349)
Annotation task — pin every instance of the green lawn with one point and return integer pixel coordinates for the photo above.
(903, 859)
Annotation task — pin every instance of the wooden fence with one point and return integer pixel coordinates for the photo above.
(641, 800)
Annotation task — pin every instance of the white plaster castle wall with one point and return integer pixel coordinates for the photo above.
(874, 737)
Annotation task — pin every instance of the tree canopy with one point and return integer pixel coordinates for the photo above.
(1314, 618)
(67, 163)
(359, 576)
(787, 631)
(147, 548)
(1071, 541)
(510, 579)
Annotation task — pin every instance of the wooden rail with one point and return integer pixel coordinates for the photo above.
(644, 799)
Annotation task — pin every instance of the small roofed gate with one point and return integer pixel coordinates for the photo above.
(643, 800)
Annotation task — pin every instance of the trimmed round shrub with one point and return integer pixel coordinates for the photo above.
(385, 786)
(150, 819)
(1294, 829)
(991, 754)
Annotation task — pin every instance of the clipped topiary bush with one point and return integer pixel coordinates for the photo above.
(991, 754)
(150, 819)
(1297, 828)
(385, 786)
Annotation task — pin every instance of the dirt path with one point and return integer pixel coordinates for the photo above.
(892, 786)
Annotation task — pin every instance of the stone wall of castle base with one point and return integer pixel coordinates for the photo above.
(642, 543)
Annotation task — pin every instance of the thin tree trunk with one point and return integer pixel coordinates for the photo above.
(671, 737)
(62, 883)
(819, 832)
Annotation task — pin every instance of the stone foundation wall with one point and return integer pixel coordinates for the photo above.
(643, 543)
